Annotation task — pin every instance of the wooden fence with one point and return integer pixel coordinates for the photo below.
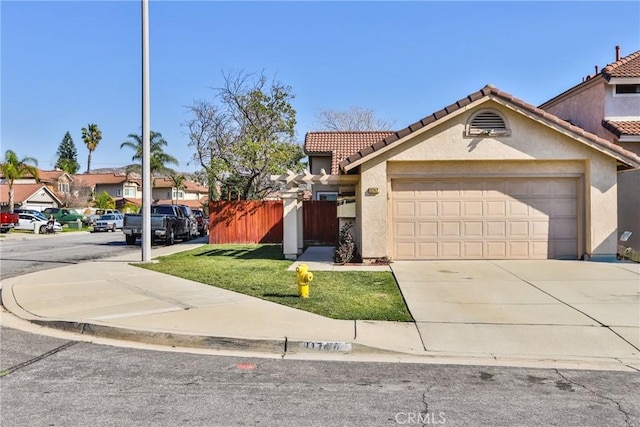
(261, 222)
(245, 221)
(320, 222)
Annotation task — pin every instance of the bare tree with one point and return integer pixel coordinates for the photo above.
(354, 119)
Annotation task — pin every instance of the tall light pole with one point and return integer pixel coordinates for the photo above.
(146, 138)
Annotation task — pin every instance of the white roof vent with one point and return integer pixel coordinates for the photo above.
(487, 123)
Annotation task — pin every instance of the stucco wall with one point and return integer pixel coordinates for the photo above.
(585, 109)
(621, 105)
(443, 151)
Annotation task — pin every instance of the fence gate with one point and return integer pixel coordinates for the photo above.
(319, 222)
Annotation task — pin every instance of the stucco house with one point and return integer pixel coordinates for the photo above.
(488, 177)
(607, 104)
(26, 195)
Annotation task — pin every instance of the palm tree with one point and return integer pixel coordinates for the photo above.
(177, 179)
(91, 136)
(14, 168)
(158, 158)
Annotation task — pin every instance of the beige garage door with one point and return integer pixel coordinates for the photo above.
(485, 219)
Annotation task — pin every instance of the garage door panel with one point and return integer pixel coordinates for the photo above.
(496, 207)
(497, 249)
(495, 229)
(473, 208)
(517, 208)
(403, 208)
(473, 229)
(512, 218)
(451, 250)
(428, 229)
(563, 228)
(427, 209)
(519, 250)
(450, 229)
(427, 250)
(519, 229)
(405, 250)
(472, 250)
(405, 230)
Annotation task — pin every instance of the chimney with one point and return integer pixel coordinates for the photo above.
(617, 53)
(596, 70)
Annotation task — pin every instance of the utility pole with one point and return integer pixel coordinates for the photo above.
(146, 137)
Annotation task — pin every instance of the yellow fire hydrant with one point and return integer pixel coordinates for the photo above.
(304, 277)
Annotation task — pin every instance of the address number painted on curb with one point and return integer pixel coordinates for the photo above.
(327, 346)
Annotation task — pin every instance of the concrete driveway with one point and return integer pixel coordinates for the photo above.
(525, 308)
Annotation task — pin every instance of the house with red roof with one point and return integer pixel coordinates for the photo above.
(487, 177)
(607, 104)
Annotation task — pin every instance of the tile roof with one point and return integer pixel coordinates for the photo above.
(22, 192)
(50, 176)
(341, 144)
(629, 66)
(91, 179)
(191, 186)
(619, 128)
(626, 157)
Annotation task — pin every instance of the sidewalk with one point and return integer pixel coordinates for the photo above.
(113, 299)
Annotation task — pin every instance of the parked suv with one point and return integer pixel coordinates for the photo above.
(66, 215)
(192, 222)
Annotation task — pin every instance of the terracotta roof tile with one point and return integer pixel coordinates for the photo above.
(490, 90)
(21, 192)
(91, 179)
(341, 144)
(629, 66)
(619, 128)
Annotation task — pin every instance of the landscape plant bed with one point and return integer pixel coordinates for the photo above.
(261, 271)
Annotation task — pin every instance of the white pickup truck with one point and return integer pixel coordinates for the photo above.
(168, 223)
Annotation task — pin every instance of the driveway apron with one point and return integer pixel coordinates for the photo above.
(525, 308)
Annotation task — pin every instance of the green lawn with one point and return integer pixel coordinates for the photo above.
(261, 271)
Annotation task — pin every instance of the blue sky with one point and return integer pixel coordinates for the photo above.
(67, 64)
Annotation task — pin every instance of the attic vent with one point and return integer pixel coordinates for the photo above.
(487, 123)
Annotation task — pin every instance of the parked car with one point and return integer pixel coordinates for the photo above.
(167, 223)
(202, 220)
(66, 215)
(36, 223)
(109, 222)
(93, 217)
(8, 221)
(192, 223)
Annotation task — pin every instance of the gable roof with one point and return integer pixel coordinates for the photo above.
(626, 159)
(626, 67)
(189, 186)
(92, 179)
(341, 144)
(23, 192)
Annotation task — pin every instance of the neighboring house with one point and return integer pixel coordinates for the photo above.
(488, 177)
(29, 196)
(127, 190)
(118, 186)
(57, 181)
(608, 105)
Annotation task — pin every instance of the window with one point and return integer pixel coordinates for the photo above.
(118, 192)
(327, 196)
(63, 187)
(487, 123)
(627, 90)
(178, 194)
(130, 191)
